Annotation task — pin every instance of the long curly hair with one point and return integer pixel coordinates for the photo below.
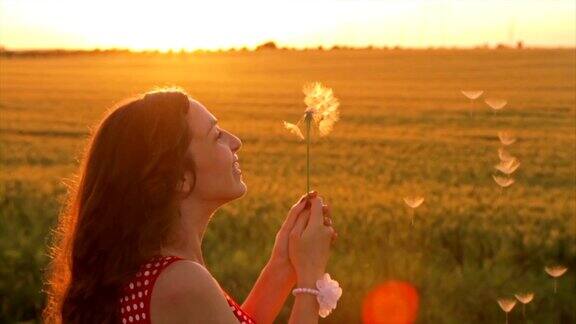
(121, 205)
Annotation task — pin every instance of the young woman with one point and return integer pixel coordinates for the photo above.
(128, 246)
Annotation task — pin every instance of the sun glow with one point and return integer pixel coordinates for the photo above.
(169, 25)
(217, 24)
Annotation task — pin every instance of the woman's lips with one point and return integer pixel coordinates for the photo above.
(237, 167)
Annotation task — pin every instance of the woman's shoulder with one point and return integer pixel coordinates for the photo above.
(186, 289)
(136, 294)
(184, 276)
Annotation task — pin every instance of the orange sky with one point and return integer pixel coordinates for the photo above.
(176, 24)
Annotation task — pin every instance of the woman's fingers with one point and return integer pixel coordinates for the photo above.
(309, 196)
(316, 218)
(334, 237)
(300, 223)
(295, 210)
(326, 212)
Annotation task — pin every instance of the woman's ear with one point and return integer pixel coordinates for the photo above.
(185, 183)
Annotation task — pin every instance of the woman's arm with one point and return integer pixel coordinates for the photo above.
(306, 307)
(269, 293)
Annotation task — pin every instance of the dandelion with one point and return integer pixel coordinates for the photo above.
(472, 95)
(506, 138)
(495, 103)
(504, 155)
(413, 202)
(322, 110)
(524, 298)
(555, 272)
(508, 167)
(507, 304)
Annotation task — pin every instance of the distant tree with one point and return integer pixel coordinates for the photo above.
(266, 46)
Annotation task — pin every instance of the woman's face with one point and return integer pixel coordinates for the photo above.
(218, 177)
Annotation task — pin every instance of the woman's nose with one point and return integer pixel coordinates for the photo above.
(236, 143)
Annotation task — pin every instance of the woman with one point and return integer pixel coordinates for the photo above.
(128, 245)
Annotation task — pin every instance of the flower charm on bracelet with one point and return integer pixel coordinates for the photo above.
(329, 293)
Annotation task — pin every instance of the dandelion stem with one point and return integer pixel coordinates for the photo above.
(555, 285)
(470, 108)
(308, 119)
(506, 317)
(524, 311)
(499, 199)
(412, 216)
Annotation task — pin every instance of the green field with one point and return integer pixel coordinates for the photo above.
(405, 128)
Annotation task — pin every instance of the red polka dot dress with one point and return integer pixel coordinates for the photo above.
(134, 302)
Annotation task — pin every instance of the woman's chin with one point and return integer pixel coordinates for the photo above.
(243, 188)
(240, 187)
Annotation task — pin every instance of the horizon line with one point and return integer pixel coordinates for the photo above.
(263, 46)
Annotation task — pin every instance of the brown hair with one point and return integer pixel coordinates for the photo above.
(121, 207)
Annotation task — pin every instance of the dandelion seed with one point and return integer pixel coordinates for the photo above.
(555, 272)
(325, 127)
(508, 167)
(413, 202)
(472, 94)
(322, 110)
(503, 181)
(504, 155)
(524, 298)
(506, 304)
(294, 129)
(495, 103)
(506, 138)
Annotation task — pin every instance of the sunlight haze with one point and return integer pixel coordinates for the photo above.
(172, 24)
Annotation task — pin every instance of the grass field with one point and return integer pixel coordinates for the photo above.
(405, 128)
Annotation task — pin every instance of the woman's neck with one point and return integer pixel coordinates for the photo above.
(186, 238)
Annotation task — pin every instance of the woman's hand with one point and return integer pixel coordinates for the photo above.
(310, 243)
(279, 258)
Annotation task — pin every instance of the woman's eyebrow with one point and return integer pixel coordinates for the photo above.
(212, 123)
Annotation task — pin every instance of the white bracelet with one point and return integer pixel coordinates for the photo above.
(305, 290)
(327, 294)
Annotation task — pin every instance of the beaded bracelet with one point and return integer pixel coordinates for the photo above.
(305, 290)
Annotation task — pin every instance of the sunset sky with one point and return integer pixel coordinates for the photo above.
(172, 24)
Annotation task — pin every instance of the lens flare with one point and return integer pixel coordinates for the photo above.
(393, 302)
